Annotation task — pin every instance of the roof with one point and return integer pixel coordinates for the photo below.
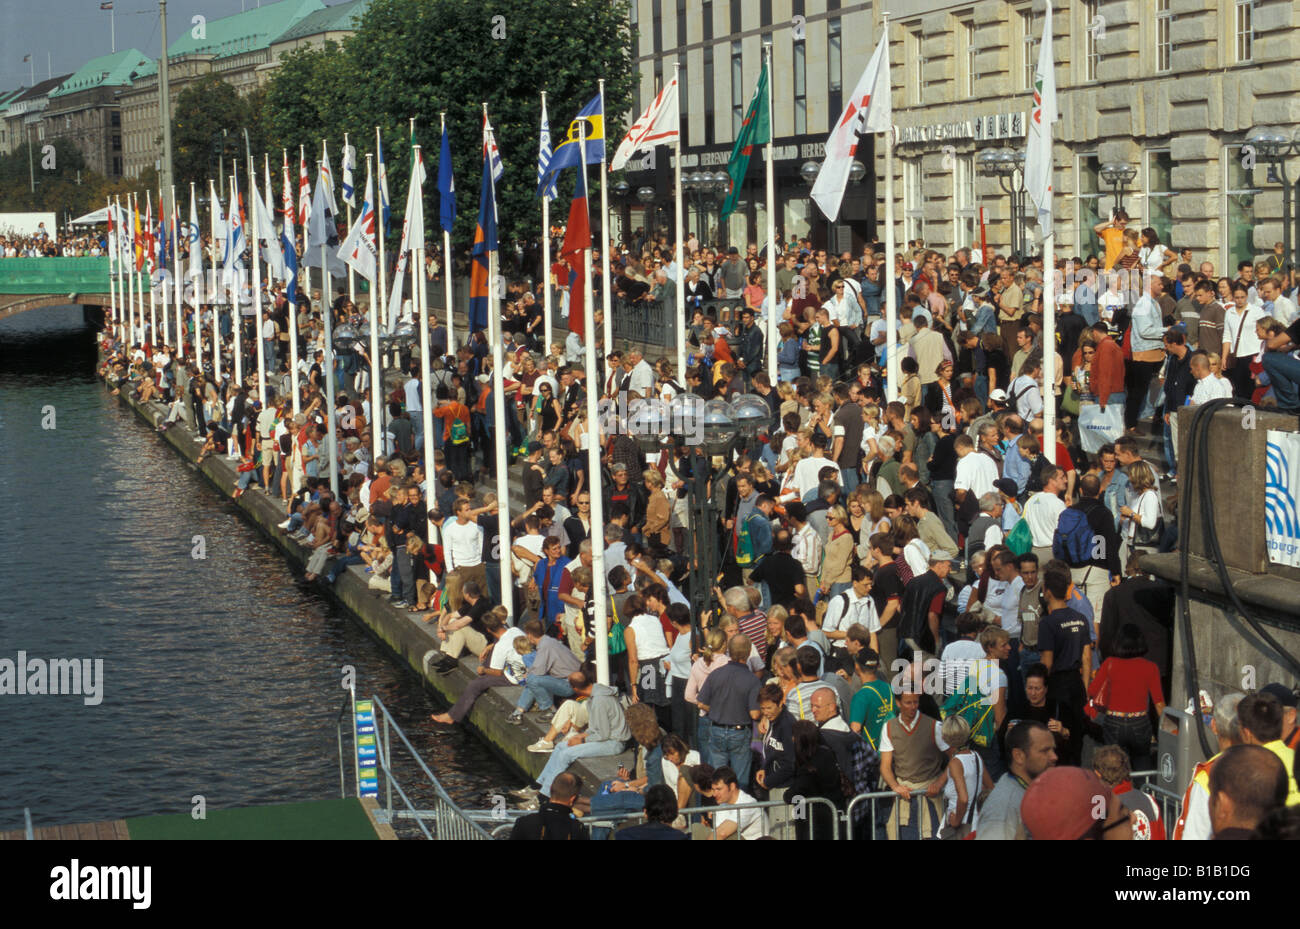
(42, 89)
(105, 71)
(344, 17)
(241, 33)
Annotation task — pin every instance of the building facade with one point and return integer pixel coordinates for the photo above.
(24, 114)
(85, 109)
(236, 48)
(1169, 87)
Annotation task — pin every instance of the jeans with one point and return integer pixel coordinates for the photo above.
(566, 754)
(1137, 381)
(609, 802)
(1284, 374)
(730, 747)
(493, 571)
(787, 373)
(1133, 734)
(341, 565)
(401, 581)
(544, 689)
(982, 389)
(1088, 312)
(704, 738)
(943, 507)
(849, 478)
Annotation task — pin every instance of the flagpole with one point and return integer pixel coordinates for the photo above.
(678, 235)
(257, 286)
(215, 206)
(1049, 345)
(112, 290)
(426, 372)
(604, 237)
(162, 250)
(128, 317)
(177, 288)
(376, 363)
(352, 274)
(331, 418)
(115, 267)
(237, 290)
(148, 261)
(772, 321)
(292, 295)
(379, 231)
(597, 534)
(446, 267)
(546, 256)
(266, 177)
(196, 254)
(891, 291)
(303, 271)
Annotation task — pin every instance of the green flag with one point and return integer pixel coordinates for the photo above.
(755, 130)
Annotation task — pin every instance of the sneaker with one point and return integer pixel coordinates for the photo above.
(542, 746)
(283, 525)
(400, 604)
(547, 715)
(516, 718)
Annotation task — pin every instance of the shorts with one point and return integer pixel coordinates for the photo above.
(269, 446)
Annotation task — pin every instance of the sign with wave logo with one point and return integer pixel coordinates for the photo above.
(1281, 492)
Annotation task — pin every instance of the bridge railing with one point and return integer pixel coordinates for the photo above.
(56, 276)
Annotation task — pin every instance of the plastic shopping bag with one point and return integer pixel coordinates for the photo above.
(1097, 428)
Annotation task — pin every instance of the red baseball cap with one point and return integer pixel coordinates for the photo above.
(1063, 804)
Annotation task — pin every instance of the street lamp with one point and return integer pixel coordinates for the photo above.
(751, 414)
(1007, 165)
(706, 187)
(1118, 175)
(1271, 146)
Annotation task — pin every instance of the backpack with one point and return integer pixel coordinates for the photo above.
(1035, 481)
(863, 773)
(744, 546)
(972, 706)
(1072, 541)
(459, 432)
(1020, 539)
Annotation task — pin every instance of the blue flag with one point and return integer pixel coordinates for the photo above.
(290, 261)
(383, 183)
(485, 241)
(567, 154)
(446, 186)
(544, 153)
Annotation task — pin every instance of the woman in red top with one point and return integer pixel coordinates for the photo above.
(1125, 686)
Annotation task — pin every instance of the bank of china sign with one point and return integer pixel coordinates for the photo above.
(980, 129)
(1281, 496)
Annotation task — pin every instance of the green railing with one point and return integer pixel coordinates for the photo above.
(56, 276)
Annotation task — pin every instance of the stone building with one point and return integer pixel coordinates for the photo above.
(85, 109)
(23, 115)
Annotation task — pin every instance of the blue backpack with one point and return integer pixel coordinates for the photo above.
(1072, 541)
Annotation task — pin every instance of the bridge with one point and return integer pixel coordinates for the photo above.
(33, 283)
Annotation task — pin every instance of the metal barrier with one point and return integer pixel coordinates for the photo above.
(1171, 804)
(653, 322)
(449, 821)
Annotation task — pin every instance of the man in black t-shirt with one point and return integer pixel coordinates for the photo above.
(1283, 370)
(887, 592)
(782, 573)
(1065, 646)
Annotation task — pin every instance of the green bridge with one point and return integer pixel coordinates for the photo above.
(33, 283)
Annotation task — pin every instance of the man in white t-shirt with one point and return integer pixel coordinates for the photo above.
(1208, 387)
(1024, 391)
(747, 823)
(806, 471)
(976, 472)
(1043, 511)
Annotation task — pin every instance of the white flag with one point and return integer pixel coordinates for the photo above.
(360, 249)
(658, 125)
(868, 110)
(196, 254)
(272, 253)
(1038, 146)
(412, 238)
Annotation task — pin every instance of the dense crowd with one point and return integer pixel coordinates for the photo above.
(43, 244)
(911, 597)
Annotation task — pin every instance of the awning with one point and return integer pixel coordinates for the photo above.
(99, 217)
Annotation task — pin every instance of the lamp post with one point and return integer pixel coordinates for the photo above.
(1272, 147)
(1007, 165)
(705, 188)
(1118, 175)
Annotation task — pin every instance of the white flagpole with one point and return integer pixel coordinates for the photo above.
(597, 535)
(772, 321)
(678, 234)
(376, 362)
(196, 256)
(379, 234)
(112, 290)
(178, 278)
(162, 247)
(422, 306)
(266, 176)
(140, 283)
(257, 284)
(331, 418)
(546, 261)
(292, 295)
(116, 205)
(891, 289)
(148, 264)
(236, 289)
(304, 272)
(446, 269)
(215, 205)
(604, 239)
(352, 274)
(1049, 345)
(129, 315)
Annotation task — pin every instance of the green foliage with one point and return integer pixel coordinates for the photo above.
(418, 58)
(202, 112)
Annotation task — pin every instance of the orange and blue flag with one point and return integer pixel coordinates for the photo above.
(485, 241)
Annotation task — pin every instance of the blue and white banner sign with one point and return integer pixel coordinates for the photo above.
(1282, 498)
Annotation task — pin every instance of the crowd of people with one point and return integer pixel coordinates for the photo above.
(44, 244)
(913, 596)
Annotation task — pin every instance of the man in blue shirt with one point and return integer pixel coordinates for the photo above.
(1065, 645)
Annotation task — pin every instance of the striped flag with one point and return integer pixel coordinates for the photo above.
(1038, 147)
(304, 190)
(383, 182)
(658, 125)
(868, 110)
(492, 153)
(544, 155)
(360, 249)
(349, 171)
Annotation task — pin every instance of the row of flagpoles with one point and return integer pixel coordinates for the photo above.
(361, 252)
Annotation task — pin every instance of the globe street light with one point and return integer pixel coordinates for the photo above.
(1118, 175)
(1271, 146)
(1007, 165)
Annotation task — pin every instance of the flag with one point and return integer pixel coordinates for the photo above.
(286, 197)
(446, 186)
(327, 176)
(106, 6)
(26, 58)
(868, 110)
(360, 250)
(196, 251)
(544, 154)
(148, 239)
(491, 152)
(271, 252)
(577, 239)
(485, 240)
(304, 190)
(566, 154)
(755, 130)
(233, 258)
(137, 240)
(349, 170)
(289, 247)
(322, 230)
(417, 164)
(112, 232)
(658, 125)
(412, 236)
(1038, 147)
(383, 182)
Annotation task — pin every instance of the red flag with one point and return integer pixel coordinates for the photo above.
(577, 239)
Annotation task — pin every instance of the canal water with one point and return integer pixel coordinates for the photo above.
(221, 675)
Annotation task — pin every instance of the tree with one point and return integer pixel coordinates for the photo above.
(413, 58)
(208, 126)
